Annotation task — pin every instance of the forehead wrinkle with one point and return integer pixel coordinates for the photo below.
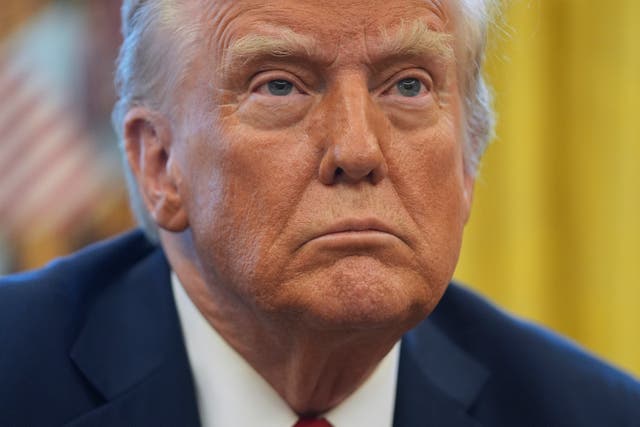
(439, 9)
(412, 39)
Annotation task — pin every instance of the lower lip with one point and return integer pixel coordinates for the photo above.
(356, 239)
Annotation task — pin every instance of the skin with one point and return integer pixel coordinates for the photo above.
(312, 230)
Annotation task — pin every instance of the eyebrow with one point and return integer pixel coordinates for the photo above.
(412, 39)
(287, 43)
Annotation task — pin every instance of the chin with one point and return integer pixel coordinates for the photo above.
(363, 293)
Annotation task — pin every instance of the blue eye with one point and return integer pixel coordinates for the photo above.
(409, 87)
(280, 87)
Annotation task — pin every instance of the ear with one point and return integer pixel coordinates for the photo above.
(468, 182)
(147, 143)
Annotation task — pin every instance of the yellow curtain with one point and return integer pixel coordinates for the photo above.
(555, 231)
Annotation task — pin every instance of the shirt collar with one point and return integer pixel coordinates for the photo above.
(231, 393)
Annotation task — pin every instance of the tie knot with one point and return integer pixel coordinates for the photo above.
(312, 422)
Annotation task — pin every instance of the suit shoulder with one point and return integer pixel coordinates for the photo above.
(41, 307)
(534, 367)
(41, 312)
(89, 265)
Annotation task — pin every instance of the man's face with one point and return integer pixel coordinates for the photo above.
(320, 157)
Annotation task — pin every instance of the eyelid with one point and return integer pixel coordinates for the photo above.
(262, 78)
(411, 73)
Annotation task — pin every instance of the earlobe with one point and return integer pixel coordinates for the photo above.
(169, 213)
(148, 139)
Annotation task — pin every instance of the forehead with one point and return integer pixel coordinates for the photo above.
(331, 22)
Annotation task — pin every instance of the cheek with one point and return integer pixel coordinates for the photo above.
(427, 167)
(246, 184)
(428, 175)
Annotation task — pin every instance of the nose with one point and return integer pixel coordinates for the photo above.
(353, 152)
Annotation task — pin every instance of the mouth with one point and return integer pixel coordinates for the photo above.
(356, 233)
(357, 225)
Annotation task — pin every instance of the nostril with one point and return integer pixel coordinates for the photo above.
(339, 172)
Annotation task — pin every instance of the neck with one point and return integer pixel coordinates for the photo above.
(313, 370)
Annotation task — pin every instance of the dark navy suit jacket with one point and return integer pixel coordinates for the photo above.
(94, 340)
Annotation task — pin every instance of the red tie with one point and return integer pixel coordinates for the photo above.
(312, 422)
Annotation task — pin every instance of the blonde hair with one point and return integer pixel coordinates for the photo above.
(161, 32)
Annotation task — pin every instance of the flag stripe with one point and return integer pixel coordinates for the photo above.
(37, 162)
(49, 191)
(49, 171)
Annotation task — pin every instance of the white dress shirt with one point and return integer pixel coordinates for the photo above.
(231, 393)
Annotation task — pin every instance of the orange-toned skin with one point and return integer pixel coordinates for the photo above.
(312, 230)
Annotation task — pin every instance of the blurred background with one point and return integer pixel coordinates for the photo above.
(60, 180)
(555, 230)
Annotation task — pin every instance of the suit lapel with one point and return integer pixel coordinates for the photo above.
(437, 381)
(164, 398)
(131, 351)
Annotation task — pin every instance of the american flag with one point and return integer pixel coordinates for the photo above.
(49, 173)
